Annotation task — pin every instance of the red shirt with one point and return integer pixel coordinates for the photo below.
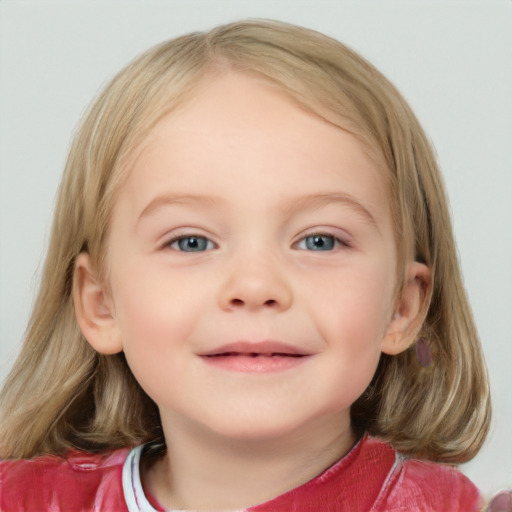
(370, 478)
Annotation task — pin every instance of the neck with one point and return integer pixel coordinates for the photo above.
(203, 470)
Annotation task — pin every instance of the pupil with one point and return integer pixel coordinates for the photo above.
(319, 242)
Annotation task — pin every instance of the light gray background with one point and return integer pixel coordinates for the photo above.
(451, 59)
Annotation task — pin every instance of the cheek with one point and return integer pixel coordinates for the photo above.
(352, 315)
(356, 306)
(155, 320)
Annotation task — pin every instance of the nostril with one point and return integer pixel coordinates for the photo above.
(240, 302)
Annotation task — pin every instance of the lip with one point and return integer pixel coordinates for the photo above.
(258, 348)
(255, 357)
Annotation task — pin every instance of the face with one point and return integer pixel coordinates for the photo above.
(252, 264)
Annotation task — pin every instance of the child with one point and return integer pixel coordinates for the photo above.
(251, 299)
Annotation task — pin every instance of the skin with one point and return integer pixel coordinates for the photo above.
(253, 177)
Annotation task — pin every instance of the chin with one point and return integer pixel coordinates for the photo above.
(261, 429)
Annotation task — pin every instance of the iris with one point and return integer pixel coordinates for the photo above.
(320, 242)
(192, 244)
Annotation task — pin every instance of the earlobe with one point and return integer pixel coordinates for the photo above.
(93, 309)
(410, 311)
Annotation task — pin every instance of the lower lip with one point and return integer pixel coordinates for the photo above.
(254, 364)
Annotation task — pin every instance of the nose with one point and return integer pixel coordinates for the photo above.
(255, 283)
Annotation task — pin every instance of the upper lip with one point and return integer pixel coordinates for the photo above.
(259, 347)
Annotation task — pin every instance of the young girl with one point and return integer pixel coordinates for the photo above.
(251, 299)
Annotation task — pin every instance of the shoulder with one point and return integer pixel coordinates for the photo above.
(429, 487)
(80, 481)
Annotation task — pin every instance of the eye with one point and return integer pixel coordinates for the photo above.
(191, 243)
(319, 242)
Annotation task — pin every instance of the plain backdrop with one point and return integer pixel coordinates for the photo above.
(451, 59)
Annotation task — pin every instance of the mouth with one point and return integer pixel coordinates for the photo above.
(257, 349)
(255, 354)
(261, 357)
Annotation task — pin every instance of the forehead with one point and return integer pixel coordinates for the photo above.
(241, 130)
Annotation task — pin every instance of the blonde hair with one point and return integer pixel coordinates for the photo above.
(62, 394)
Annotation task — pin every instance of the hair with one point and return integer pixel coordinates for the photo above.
(61, 394)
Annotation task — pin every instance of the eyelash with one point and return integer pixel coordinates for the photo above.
(204, 244)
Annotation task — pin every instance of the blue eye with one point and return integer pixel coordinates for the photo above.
(319, 242)
(191, 244)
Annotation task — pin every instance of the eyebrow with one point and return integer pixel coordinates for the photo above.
(315, 201)
(309, 202)
(170, 199)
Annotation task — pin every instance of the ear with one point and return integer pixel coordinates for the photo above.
(94, 309)
(410, 310)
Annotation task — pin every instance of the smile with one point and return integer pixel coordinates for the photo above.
(262, 357)
(256, 354)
